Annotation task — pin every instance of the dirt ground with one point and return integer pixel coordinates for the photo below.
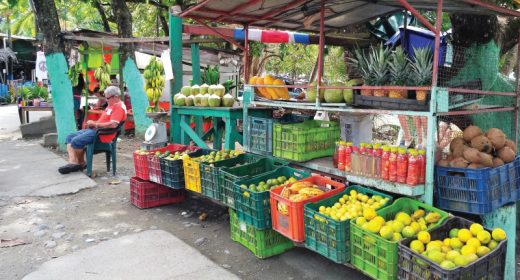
(59, 225)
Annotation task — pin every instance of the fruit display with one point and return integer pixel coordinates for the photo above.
(102, 75)
(270, 92)
(154, 83)
(333, 95)
(476, 149)
(264, 186)
(174, 156)
(74, 72)
(215, 156)
(352, 205)
(204, 96)
(461, 247)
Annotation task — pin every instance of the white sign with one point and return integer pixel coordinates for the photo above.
(41, 67)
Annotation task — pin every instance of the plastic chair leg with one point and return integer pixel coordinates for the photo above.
(107, 155)
(89, 156)
(114, 161)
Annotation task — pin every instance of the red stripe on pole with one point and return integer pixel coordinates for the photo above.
(275, 37)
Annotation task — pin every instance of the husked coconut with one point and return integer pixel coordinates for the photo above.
(509, 143)
(497, 162)
(482, 144)
(476, 166)
(443, 163)
(497, 138)
(485, 159)
(506, 154)
(457, 142)
(190, 100)
(459, 162)
(471, 132)
(472, 155)
(459, 151)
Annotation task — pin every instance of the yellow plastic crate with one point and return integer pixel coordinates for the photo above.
(192, 175)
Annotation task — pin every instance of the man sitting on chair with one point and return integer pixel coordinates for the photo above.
(114, 114)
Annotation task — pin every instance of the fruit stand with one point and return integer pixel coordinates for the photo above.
(385, 223)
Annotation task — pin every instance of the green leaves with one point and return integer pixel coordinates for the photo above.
(211, 76)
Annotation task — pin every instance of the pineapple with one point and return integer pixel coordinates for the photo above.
(399, 72)
(360, 62)
(422, 69)
(378, 65)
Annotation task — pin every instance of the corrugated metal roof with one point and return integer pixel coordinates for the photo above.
(301, 15)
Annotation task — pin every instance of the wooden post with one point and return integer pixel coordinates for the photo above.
(176, 59)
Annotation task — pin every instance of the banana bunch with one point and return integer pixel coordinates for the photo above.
(73, 73)
(102, 74)
(154, 81)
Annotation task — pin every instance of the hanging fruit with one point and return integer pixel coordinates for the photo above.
(102, 75)
(154, 83)
(73, 74)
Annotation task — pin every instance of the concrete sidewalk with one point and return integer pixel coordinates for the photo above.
(153, 254)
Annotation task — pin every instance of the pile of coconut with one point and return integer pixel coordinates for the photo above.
(478, 150)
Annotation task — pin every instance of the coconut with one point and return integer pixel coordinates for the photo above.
(312, 92)
(204, 100)
(482, 144)
(459, 162)
(509, 143)
(228, 100)
(334, 95)
(485, 159)
(195, 90)
(476, 166)
(204, 88)
(506, 154)
(179, 99)
(471, 155)
(497, 162)
(190, 100)
(457, 142)
(450, 157)
(220, 90)
(211, 89)
(214, 100)
(471, 132)
(443, 163)
(459, 151)
(186, 90)
(198, 100)
(497, 137)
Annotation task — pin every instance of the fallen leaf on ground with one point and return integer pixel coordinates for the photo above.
(114, 182)
(4, 243)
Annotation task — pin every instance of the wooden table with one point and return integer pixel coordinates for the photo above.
(24, 111)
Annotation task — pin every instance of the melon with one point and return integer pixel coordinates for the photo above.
(195, 90)
(204, 100)
(214, 100)
(186, 90)
(497, 138)
(334, 95)
(228, 100)
(311, 93)
(506, 154)
(497, 162)
(190, 100)
(482, 143)
(471, 132)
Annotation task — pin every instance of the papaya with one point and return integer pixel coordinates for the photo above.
(263, 90)
(283, 93)
(253, 81)
(269, 80)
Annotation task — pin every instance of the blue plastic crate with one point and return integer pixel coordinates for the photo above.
(415, 37)
(477, 191)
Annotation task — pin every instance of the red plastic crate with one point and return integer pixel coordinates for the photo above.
(145, 194)
(142, 162)
(292, 225)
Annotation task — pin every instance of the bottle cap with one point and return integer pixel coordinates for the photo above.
(386, 148)
(393, 149)
(422, 152)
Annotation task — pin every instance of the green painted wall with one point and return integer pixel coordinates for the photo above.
(134, 83)
(61, 96)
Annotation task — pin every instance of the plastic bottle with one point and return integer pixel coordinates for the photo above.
(385, 162)
(335, 155)
(348, 157)
(392, 165)
(414, 168)
(422, 166)
(341, 156)
(369, 160)
(377, 153)
(402, 166)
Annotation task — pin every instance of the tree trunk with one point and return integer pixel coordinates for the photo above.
(102, 14)
(48, 23)
(164, 25)
(128, 67)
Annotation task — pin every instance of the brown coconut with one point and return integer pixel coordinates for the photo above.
(485, 159)
(482, 144)
(497, 137)
(459, 162)
(476, 166)
(443, 163)
(471, 132)
(472, 155)
(450, 158)
(509, 143)
(456, 142)
(497, 162)
(459, 151)
(506, 154)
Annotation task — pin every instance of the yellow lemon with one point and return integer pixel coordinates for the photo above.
(433, 246)
(475, 228)
(353, 193)
(454, 232)
(451, 255)
(322, 209)
(397, 226)
(498, 234)
(374, 226)
(369, 213)
(342, 200)
(455, 243)
(408, 232)
(460, 260)
(416, 226)
(445, 249)
(492, 244)
(482, 251)
(447, 241)
(484, 236)
(396, 236)
(424, 237)
(473, 242)
(448, 265)
(464, 235)
(386, 232)
(471, 258)
(403, 218)
(417, 246)
(380, 220)
(436, 256)
(468, 249)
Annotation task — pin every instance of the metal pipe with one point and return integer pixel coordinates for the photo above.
(322, 44)
(220, 34)
(194, 8)
(275, 12)
(481, 92)
(493, 8)
(246, 53)
(472, 112)
(517, 89)
(438, 23)
(418, 15)
(238, 8)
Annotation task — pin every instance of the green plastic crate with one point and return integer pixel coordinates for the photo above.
(305, 141)
(210, 173)
(254, 207)
(327, 236)
(376, 256)
(263, 243)
(229, 175)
